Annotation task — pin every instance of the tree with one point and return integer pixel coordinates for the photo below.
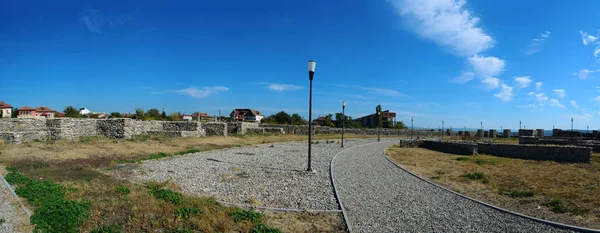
(329, 120)
(296, 119)
(139, 113)
(163, 115)
(399, 125)
(378, 121)
(15, 112)
(283, 118)
(115, 114)
(71, 111)
(174, 116)
(153, 113)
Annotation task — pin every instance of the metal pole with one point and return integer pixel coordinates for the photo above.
(343, 121)
(519, 124)
(571, 123)
(310, 73)
(378, 130)
(442, 129)
(411, 127)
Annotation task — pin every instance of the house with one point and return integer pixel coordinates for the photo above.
(5, 110)
(319, 121)
(84, 111)
(388, 119)
(59, 114)
(246, 114)
(201, 115)
(186, 117)
(39, 112)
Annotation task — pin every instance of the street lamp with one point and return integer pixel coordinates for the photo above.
(411, 127)
(378, 115)
(343, 120)
(442, 129)
(311, 73)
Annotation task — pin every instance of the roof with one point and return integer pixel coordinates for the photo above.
(201, 114)
(59, 114)
(43, 109)
(4, 105)
(26, 108)
(319, 119)
(244, 111)
(385, 113)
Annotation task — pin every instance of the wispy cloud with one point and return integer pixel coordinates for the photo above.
(92, 19)
(541, 98)
(536, 43)
(584, 73)
(522, 82)
(597, 99)
(538, 86)
(506, 93)
(582, 117)
(574, 104)
(486, 66)
(556, 103)
(490, 82)
(283, 87)
(560, 93)
(531, 93)
(586, 39)
(465, 77)
(448, 23)
(201, 92)
(383, 91)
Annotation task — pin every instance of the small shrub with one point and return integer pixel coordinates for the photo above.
(238, 145)
(106, 229)
(474, 176)
(2, 221)
(181, 230)
(190, 151)
(159, 155)
(484, 162)
(245, 215)
(40, 192)
(263, 228)
(167, 195)
(60, 215)
(556, 206)
(517, 193)
(242, 174)
(11, 169)
(462, 158)
(122, 190)
(184, 212)
(16, 178)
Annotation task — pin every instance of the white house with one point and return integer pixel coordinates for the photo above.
(5, 110)
(84, 111)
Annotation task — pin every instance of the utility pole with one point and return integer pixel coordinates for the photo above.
(571, 123)
(519, 124)
(442, 129)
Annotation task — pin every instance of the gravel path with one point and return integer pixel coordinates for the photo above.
(270, 175)
(380, 197)
(12, 215)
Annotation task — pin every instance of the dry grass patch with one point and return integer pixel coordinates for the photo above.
(511, 140)
(563, 192)
(305, 222)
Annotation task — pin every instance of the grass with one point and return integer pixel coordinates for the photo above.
(515, 184)
(68, 172)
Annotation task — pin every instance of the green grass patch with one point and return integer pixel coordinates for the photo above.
(244, 215)
(190, 151)
(159, 155)
(263, 228)
(517, 193)
(185, 212)
(16, 178)
(166, 195)
(557, 206)
(242, 174)
(484, 162)
(474, 175)
(122, 190)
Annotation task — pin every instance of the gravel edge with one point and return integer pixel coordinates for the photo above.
(15, 196)
(556, 224)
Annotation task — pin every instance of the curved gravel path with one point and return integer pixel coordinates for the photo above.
(379, 197)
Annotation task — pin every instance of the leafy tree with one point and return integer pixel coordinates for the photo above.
(153, 113)
(115, 114)
(15, 112)
(329, 120)
(174, 116)
(71, 111)
(139, 113)
(296, 119)
(378, 121)
(283, 118)
(163, 115)
(399, 125)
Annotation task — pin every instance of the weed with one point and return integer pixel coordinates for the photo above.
(556, 206)
(435, 177)
(485, 181)
(122, 190)
(2, 221)
(517, 193)
(245, 215)
(238, 145)
(181, 230)
(474, 176)
(11, 169)
(484, 162)
(106, 229)
(16, 178)
(185, 212)
(242, 174)
(40, 164)
(263, 228)
(464, 158)
(127, 161)
(40, 192)
(190, 151)
(60, 215)
(167, 195)
(159, 155)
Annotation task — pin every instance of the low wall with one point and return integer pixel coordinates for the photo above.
(536, 152)
(215, 128)
(303, 129)
(451, 147)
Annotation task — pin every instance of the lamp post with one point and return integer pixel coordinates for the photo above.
(571, 123)
(378, 130)
(519, 124)
(442, 129)
(411, 127)
(311, 74)
(343, 120)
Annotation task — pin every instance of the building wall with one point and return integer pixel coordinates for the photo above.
(6, 112)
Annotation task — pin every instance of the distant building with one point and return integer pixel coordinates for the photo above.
(388, 119)
(246, 115)
(319, 121)
(59, 114)
(39, 112)
(84, 111)
(5, 110)
(202, 116)
(185, 117)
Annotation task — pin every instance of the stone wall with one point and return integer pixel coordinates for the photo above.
(537, 152)
(240, 127)
(506, 133)
(526, 133)
(452, 147)
(215, 128)
(303, 129)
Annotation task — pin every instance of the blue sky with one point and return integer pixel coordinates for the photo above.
(462, 62)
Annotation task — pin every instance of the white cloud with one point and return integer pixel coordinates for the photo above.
(597, 99)
(92, 19)
(382, 91)
(464, 78)
(201, 92)
(574, 73)
(530, 93)
(586, 39)
(559, 92)
(490, 82)
(541, 97)
(536, 43)
(486, 66)
(528, 106)
(538, 86)
(584, 117)
(283, 87)
(574, 104)
(584, 73)
(446, 22)
(522, 82)
(506, 94)
(597, 51)
(556, 103)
